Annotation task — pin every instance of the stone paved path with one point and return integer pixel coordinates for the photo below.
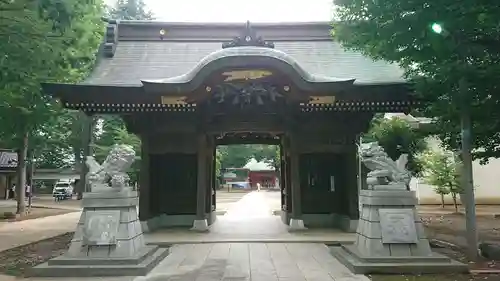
(252, 205)
(251, 217)
(242, 262)
(249, 220)
(251, 262)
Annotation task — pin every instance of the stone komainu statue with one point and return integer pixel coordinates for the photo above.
(383, 170)
(113, 171)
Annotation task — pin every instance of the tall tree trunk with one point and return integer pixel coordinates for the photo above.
(78, 166)
(454, 196)
(30, 169)
(442, 200)
(21, 175)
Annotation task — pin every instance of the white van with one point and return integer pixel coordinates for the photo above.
(63, 190)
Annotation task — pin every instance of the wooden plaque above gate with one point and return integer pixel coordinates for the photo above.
(250, 74)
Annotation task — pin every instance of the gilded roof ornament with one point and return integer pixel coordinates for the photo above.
(248, 37)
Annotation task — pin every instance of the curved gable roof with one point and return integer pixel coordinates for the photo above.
(141, 54)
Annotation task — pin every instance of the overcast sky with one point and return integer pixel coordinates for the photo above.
(240, 10)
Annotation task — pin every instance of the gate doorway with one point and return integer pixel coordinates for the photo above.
(193, 94)
(247, 183)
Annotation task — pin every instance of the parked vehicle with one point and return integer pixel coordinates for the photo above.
(62, 190)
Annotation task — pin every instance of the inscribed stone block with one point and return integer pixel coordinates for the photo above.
(398, 226)
(101, 227)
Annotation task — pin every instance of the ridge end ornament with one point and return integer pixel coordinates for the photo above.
(248, 37)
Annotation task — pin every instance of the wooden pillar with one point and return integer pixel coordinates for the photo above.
(144, 182)
(295, 178)
(283, 179)
(209, 175)
(352, 182)
(214, 180)
(86, 143)
(201, 181)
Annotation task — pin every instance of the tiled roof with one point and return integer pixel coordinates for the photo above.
(139, 58)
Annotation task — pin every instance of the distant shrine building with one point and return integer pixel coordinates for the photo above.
(185, 88)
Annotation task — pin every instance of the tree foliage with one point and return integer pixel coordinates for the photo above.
(442, 170)
(130, 10)
(113, 129)
(238, 155)
(467, 50)
(42, 41)
(397, 137)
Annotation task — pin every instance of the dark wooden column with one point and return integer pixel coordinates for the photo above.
(214, 181)
(295, 177)
(352, 167)
(86, 138)
(210, 173)
(283, 179)
(144, 181)
(201, 181)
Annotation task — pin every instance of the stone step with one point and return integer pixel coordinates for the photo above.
(101, 270)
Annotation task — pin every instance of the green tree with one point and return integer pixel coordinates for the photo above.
(442, 170)
(130, 10)
(268, 154)
(397, 137)
(464, 48)
(42, 41)
(235, 156)
(114, 130)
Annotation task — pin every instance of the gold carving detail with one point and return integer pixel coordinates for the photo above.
(246, 74)
(173, 100)
(322, 100)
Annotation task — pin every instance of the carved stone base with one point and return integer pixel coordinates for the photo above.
(108, 241)
(390, 238)
(296, 225)
(200, 225)
(361, 264)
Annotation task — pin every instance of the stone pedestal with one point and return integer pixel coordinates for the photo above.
(390, 238)
(108, 240)
(296, 225)
(200, 225)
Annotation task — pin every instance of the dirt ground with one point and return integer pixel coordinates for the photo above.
(34, 213)
(18, 260)
(445, 224)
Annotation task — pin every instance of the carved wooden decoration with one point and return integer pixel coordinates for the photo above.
(246, 93)
(248, 37)
(252, 74)
(322, 100)
(173, 100)
(111, 39)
